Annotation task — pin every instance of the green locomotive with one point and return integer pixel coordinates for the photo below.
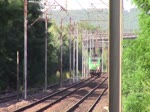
(95, 66)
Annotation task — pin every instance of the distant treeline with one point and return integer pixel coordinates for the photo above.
(97, 17)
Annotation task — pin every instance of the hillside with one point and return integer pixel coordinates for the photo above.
(96, 17)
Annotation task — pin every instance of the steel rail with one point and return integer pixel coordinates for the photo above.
(47, 97)
(97, 100)
(58, 100)
(13, 97)
(4, 92)
(8, 98)
(89, 93)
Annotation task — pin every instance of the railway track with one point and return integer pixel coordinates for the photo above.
(79, 106)
(78, 101)
(55, 99)
(4, 92)
(97, 100)
(7, 98)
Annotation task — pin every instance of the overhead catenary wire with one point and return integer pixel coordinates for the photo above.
(104, 3)
(82, 7)
(97, 10)
(40, 16)
(100, 12)
(61, 6)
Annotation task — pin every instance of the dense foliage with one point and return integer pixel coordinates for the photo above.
(136, 65)
(12, 40)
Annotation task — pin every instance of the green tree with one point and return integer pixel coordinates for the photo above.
(136, 65)
(11, 40)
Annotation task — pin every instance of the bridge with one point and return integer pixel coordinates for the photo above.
(91, 40)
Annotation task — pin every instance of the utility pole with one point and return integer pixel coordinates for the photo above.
(74, 53)
(45, 46)
(87, 58)
(90, 44)
(115, 37)
(82, 56)
(73, 60)
(102, 55)
(61, 53)
(77, 54)
(83, 53)
(18, 85)
(66, 4)
(70, 49)
(25, 49)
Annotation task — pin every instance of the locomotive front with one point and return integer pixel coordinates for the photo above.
(95, 66)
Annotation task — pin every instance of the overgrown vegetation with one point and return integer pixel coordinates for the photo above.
(136, 65)
(12, 40)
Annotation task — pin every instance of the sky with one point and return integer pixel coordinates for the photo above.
(86, 4)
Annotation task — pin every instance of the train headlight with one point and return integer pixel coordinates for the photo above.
(97, 68)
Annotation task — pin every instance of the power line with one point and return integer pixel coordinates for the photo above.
(97, 9)
(103, 3)
(81, 6)
(61, 6)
